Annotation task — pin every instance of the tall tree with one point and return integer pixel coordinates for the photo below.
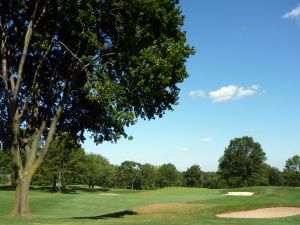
(98, 171)
(128, 174)
(193, 176)
(168, 175)
(242, 162)
(65, 163)
(148, 174)
(292, 171)
(89, 65)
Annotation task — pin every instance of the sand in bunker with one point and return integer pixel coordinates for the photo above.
(264, 213)
(236, 193)
(109, 194)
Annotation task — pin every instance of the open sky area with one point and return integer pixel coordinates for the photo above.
(243, 81)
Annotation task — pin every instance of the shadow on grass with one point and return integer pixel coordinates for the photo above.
(68, 190)
(120, 214)
(72, 189)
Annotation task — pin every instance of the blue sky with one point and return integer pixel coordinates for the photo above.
(244, 80)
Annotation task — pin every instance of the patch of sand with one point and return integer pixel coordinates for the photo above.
(240, 193)
(273, 212)
(109, 194)
(169, 207)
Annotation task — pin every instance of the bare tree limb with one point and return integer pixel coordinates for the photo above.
(76, 57)
(27, 39)
(52, 129)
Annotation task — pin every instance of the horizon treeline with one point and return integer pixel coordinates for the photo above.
(242, 165)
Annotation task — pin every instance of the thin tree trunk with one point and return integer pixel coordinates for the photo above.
(59, 186)
(54, 183)
(21, 196)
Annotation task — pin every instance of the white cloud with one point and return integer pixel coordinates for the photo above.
(242, 92)
(232, 92)
(206, 139)
(293, 14)
(223, 94)
(184, 149)
(197, 93)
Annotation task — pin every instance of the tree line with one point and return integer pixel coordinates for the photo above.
(242, 164)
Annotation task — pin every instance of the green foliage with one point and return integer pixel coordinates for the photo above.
(5, 163)
(128, 175)
(193, 176)
(242, 162)
(75, 66)
(275, 177)
(168, 176)
(213, 180)
(292, 171)
(98, 171)
(65, 164)
(148, 175)
(6, 167)
(121, 60)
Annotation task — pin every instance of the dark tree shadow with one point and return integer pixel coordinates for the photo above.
(7, 187)
(107, 216)
(86, 189)
(71, 189)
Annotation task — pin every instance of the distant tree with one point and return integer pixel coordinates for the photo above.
(6, 168)
(193, 176)
(148, 174)
(242, 162)
(98, 171)
(213, 180)
(64, 165)
(275, 176)
(167, 176)
(292, 171)
(129, 175)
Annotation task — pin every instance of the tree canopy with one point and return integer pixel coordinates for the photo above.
(193, 176)
(168, 175)
(292, 171)
(242, 162)
(88, 65)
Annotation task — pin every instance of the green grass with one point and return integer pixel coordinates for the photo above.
(197, 206)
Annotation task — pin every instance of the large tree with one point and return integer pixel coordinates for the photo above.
(65, 163)
(148, 174)
(94, 65)
(292, 171)
(242, 162)
(128, 175)
(193, 176)
(98, 171)
(168, 176)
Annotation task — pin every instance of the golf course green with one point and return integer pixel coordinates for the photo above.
(164, 206)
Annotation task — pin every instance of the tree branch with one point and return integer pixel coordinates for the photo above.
(27, 39)
(76, 57)
(52, 129)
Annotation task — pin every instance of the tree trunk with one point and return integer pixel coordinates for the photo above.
(54, 183)
(59, 186)
(21, 196)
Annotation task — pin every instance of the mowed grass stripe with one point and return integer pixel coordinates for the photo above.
(164, 206)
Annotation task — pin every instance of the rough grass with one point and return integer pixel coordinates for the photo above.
(170, 206)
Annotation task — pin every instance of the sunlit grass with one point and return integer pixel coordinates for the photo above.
(164, 206)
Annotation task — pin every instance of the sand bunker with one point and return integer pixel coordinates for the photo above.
(109, 194)
(274, 212)
(240, 193)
